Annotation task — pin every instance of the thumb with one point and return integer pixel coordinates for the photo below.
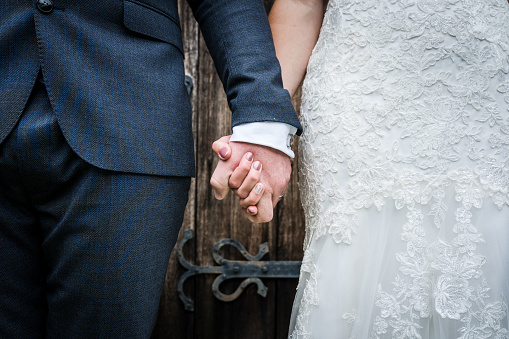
(219, 180)
(222, 148)
(264, 212)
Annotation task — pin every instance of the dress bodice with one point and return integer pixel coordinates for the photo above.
(409, 91)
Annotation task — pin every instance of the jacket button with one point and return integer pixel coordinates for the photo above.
(45, 6)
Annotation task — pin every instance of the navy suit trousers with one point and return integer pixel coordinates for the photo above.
(83, 250)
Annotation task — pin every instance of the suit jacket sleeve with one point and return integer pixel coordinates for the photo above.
(238, 36)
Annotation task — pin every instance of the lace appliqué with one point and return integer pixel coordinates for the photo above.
(441, 279)
(309, 277)
(401, 101)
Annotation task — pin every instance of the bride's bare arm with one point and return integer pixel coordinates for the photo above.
(295, 27)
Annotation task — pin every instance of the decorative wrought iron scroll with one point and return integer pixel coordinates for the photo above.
(253, 270)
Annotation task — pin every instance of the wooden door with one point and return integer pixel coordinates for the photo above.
(250, 315)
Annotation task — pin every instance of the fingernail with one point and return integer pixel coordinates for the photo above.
(258, 188)
(257, 165)
(249, 156)
(223, 152)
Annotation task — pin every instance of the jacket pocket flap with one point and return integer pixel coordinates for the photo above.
(150, 21)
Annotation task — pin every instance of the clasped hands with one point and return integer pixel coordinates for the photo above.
(257, 174)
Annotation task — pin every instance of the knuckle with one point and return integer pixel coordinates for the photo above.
(246, 202)
(214, 183)
(253, 176)
(242, 194)
(245, 165)
(264, 215)
(267, 189)
(233, 183)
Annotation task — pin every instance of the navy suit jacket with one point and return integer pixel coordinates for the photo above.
(115, 75)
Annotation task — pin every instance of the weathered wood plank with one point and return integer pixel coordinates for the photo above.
(250, 316)
(222, 219)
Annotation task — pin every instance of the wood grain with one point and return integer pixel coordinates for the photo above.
(250, 316)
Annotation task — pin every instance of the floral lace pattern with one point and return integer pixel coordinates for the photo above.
(404, 101)
(440, 275)
(309, 276)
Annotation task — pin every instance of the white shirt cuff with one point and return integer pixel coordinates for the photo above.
(277, 135)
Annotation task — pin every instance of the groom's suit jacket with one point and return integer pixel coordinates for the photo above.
(114, 73)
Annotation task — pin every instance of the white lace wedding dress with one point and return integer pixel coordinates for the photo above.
(404, 172)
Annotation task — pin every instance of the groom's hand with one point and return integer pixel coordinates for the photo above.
(228, 174)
